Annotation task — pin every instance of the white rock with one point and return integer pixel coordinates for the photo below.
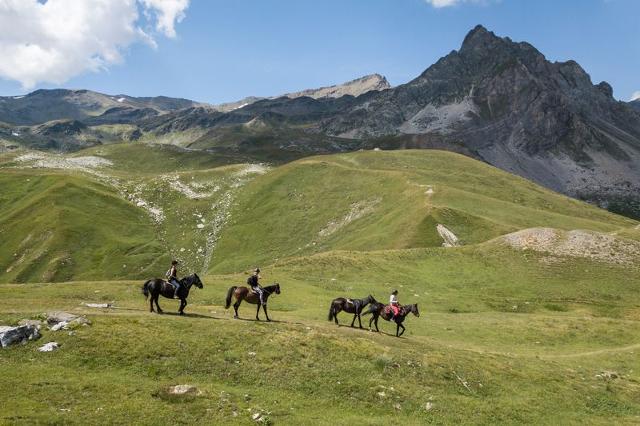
(59, 326)
(182, 389)
(98, 305)
(49, 347)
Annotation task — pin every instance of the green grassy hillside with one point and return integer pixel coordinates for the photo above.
(57, 227)
(388, 200)
(503, 337)
(517, 325)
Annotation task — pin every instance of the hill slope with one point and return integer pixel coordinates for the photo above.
(388, 200)
(59, 228)
(222, 217)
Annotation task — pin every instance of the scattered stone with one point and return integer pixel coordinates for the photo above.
(382, 394)
(35, 323)
(59, 316)
(608, 375)
(428, 406)
(20, 334)
(59, 326)
(63, 320)
(183, 390)
(49, 347)
(256, 417)
(397, 406)
(98, 305)
(251, 354)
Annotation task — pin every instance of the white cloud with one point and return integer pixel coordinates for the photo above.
(447, 3)
(635, 96)
(167, 12)
(56, 40)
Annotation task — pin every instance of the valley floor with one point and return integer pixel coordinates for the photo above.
(487, 349)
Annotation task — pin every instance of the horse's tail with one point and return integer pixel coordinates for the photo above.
(145, 289)
(332, 313)
(229, 295)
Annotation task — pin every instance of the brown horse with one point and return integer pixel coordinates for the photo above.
(244, 293)
(350, 306)
(379, 310)
(158, 287)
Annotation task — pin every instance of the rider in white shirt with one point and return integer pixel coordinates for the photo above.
(393, 301)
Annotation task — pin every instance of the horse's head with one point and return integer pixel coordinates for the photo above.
(277, 285)
(371, 299)
(414, 310)
(196, 281)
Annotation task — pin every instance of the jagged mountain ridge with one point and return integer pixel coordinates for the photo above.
(43, 105)
(493, 99)
(357, 87)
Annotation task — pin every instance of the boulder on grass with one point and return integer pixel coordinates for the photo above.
(20, 334)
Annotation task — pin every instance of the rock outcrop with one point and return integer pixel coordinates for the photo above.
(20, 334)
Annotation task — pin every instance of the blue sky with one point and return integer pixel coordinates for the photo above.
(226, 50)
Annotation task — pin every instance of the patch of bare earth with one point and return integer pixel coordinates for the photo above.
(577, 243)
(358, 210)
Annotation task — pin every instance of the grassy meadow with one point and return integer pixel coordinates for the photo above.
(505, 335)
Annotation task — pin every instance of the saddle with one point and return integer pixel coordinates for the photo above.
(387, 310)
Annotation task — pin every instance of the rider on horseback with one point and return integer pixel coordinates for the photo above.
(254, 282)
(395, 306)
(172, 278)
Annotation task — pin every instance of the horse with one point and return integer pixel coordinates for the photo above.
(378, 310)
(244, 293)
(350, 306)
(157, 287)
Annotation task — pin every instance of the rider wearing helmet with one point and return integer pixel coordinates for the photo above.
(254, 282)
(172, 278)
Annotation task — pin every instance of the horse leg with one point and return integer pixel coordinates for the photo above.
(151, 304)
(335, 315)
(400, 326)
(235, 308)
(157, 305)
(183, 304)
(264, 308)
(377, 329)
(354, 319)
(257, 312)
(359, 320)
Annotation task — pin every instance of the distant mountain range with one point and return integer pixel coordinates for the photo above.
(494, 99)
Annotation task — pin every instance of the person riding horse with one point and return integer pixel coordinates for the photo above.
(254, 282)
(172, 278)
(393, 303)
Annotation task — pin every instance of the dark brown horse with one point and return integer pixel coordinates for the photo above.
(350, 306)
(244, 293)
(158, 287)
(380, 310)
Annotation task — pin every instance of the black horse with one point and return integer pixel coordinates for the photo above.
(380, 310)
(157, 287)
(244, 293)
(350, 306)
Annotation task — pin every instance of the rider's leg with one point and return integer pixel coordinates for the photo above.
(176, 287)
